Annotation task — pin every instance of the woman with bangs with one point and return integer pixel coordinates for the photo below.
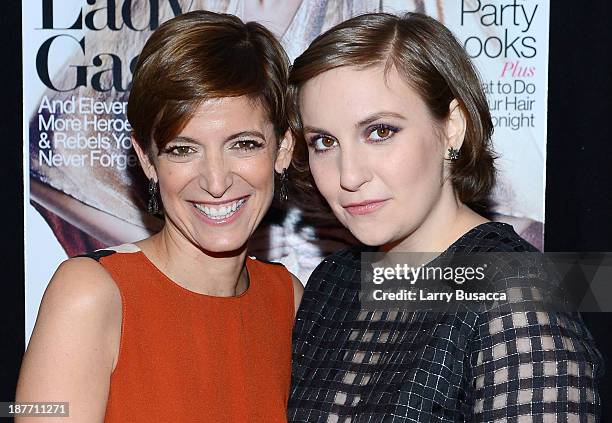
(393, 131)
(183, 326)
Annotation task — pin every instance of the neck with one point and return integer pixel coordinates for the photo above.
(219, 274)
(445, 223)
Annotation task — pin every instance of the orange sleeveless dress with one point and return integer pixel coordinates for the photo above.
(189, 357)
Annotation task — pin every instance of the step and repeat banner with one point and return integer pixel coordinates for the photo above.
(83, 186)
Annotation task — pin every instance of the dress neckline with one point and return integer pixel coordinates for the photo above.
(476, 229)
(183, 290)
(463, 237)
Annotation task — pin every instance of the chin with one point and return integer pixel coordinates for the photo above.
(370, 236)
(222, 245)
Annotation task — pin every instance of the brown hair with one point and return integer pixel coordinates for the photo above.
(431, 61)
(198, 56)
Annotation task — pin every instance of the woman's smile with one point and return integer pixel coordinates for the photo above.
(216, 177)
(221, 213)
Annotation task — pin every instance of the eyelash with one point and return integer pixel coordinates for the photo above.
(175, 150)
(254, 145)
(380, 126)
(312, 142)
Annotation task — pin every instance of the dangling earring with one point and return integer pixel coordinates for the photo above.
(153, 204)
(283, 186)
(453, 154)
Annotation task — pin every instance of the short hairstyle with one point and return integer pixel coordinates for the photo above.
(198, 56)
(431, 61)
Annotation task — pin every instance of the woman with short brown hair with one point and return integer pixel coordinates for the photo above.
(183, 326)
(393, 129)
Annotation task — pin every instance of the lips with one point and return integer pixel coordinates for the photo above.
(220, 211)
(364, 207)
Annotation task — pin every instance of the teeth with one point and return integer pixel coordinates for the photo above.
(222, 212)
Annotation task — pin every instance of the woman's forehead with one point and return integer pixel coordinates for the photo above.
(356, 93)
(229, 113)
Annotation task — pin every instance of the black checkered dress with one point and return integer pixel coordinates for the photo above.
(353, 365)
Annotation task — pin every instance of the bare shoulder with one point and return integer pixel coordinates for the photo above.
(82, 283)
(81, 300)
(298, 290)
(74, 346)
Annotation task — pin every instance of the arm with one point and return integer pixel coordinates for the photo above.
(298, 290)
(535, 363)
(532, 355)
(75, 342)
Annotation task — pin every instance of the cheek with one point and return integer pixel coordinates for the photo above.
(325, 174)
(257, 171)
(414, 168)
(173, 178)
(405, 168)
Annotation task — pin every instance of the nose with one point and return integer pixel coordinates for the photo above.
(354, 169)
(215, 175)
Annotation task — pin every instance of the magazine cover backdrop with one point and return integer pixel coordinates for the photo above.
(84, 188)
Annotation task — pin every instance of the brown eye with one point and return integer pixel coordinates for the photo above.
(178, 150)
(322, 143)
(327, 142)
(383, 132)
(246, 145)
(181, 153)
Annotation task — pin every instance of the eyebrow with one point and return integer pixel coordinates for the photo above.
(184, 139)
(364, 122)
(256, 134)
(316, 130)
(376, 116)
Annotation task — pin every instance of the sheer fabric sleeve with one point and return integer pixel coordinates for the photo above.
(535, 366)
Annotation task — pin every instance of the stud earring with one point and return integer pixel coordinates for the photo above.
(284, 177)
(153, 204)
(453, 154)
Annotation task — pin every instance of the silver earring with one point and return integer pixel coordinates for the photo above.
(453, 154)
(153, 204)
